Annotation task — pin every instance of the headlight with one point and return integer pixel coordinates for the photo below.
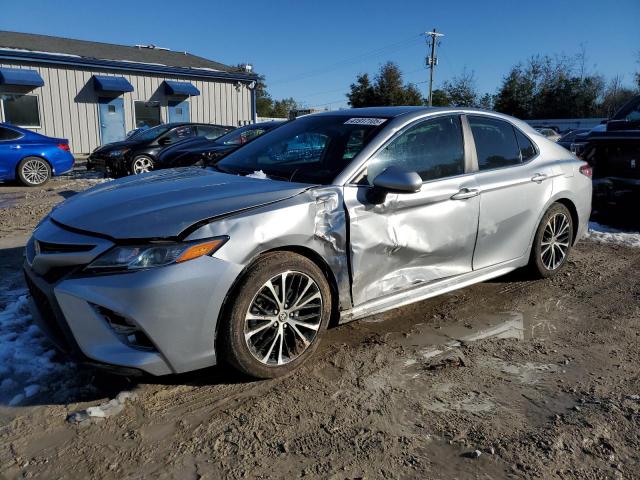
(119, 152)
(137, 257)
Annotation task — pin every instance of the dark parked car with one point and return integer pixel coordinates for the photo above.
(569, 138)
(204, 151)
(30, 157)
(139, 153)
(614, 154)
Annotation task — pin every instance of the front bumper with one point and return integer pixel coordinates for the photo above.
(109, 166)
(176, 307)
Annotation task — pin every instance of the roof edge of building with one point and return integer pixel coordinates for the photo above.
(192, 72)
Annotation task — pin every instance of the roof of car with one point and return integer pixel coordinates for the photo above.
(391, 112)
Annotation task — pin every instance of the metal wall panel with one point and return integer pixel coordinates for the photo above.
(68, 102)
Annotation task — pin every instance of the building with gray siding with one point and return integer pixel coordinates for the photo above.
(93, 93)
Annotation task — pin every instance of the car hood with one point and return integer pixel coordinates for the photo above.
(115, 145)
(165, 203)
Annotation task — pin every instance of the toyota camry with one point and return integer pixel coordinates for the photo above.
(329, 218)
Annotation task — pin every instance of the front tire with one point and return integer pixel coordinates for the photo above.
(141, 164)
(278, 314)
(34, 171)
(552, 242)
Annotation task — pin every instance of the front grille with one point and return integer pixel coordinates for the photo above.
(48, 316)
(47, 247)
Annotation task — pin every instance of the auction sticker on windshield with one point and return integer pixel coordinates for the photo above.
(365, 121)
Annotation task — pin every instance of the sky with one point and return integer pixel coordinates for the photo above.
(313, 50)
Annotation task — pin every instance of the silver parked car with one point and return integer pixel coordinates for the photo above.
(333, 216)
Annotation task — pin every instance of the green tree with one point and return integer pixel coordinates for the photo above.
(264, 102)
(461, 90)
(550, 87)
(282, 108)
(362, 92)
(388, 88)
(439, 98)
(516, 94)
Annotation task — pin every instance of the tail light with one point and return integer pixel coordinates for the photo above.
(63, 146)
(586, 170)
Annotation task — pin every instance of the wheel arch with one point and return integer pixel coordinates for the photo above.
(575, 219)
(301, 250)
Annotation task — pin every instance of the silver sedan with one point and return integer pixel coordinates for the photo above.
(333, 216)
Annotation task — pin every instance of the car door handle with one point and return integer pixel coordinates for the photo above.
(539, 177)
(15, 147)
(465, 193)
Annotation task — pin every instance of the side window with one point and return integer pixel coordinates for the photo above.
(250, 134)
(8, 134)
(496, 143)
(527, 150)
(180, 133)
(434, 149)
(210, 132)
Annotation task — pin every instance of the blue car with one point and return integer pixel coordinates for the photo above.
(30, 157)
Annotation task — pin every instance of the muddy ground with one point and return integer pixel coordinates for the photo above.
(508, 378)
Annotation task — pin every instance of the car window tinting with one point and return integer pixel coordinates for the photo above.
(313, 149)
(180, 133)
(495, 141)
(434, 149)
(527, 150)
(8, 134)
(149, 134)
(211, 132)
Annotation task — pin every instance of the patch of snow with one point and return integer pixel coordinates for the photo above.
(104, 410)
(604, 234)
(205, 68)
(39, 52)
(140, 63)
(258, 174)
(27, 364)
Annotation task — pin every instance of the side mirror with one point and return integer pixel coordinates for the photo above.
(164, 141)
(395, 180)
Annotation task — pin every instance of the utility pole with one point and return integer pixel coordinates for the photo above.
(432, 60)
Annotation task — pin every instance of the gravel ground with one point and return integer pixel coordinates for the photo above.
(505, 379)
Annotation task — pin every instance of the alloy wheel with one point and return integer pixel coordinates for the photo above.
(283, 318)
(142, 165)
(35, 171)
(555, 241)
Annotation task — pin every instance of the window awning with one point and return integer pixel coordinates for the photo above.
(103, 83)
(180, 88)
(20, 76)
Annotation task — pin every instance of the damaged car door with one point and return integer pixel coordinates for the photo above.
(400, 239)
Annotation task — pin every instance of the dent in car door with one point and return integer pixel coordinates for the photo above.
(410, 239)
(414, 238)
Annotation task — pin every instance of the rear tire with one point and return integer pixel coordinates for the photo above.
(552, 242)
(33, 171)
(266, 334)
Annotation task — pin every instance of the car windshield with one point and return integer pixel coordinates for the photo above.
(242, 135)
(313, 149)
(150, 133)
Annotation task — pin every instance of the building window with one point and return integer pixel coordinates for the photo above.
(21, 110)
(147, 114)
